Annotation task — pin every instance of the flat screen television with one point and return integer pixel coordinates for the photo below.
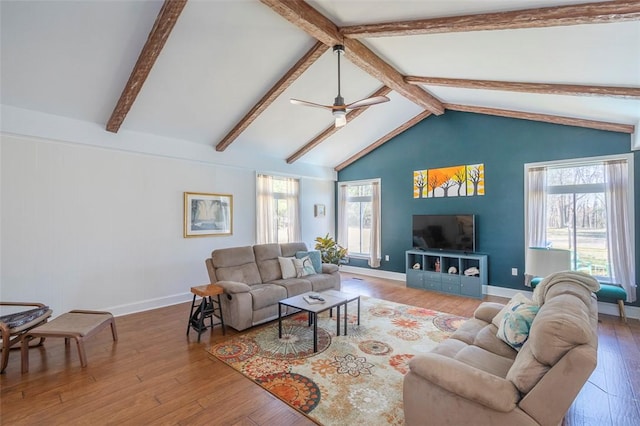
(454, 232)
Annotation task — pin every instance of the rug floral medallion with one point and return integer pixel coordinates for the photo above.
(352, 379)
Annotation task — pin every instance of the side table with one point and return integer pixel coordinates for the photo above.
(210, 307)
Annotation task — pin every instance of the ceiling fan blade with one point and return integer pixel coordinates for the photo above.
(310, 104)
(367, 102)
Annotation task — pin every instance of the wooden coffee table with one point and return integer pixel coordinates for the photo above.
(312, 310)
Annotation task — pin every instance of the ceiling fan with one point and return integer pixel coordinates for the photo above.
(339, 109)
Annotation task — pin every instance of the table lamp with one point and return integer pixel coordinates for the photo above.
(542, 261)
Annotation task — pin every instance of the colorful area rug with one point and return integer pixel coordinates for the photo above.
(353, 379)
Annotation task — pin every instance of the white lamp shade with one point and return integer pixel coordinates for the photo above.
(542, 261)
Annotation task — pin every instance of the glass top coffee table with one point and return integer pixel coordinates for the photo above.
(299, 302)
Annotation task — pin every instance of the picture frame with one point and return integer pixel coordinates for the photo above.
(319, 210)
(207, 215)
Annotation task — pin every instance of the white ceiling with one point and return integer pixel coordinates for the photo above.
(73, 58)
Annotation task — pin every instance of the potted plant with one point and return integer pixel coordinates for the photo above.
(331, 251)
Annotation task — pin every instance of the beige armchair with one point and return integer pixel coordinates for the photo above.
(21, 320)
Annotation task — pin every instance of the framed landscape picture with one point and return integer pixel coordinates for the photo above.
(207, 215)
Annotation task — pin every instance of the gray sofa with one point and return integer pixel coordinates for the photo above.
(476, 378)
(253, 284)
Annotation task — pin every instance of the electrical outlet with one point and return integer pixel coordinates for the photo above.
(386, 257)
(514, 272)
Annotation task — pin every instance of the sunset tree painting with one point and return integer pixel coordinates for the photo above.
(475, 179)
(419, 183)
(455, 181)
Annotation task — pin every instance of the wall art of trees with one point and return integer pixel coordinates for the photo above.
(455, 181)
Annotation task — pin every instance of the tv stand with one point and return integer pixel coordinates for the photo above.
(432, 272)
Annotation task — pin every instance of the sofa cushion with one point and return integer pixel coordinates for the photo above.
(290, 249)
(234, 256)
(303, 267)
(487, 339)
(294, 286)
(264, 295)
(484, 360)
(515, 325)
(247, 274)
(468, 330)
(322, 282)
(315, 256)
(267, 261)
(287, 267)
(449, 347)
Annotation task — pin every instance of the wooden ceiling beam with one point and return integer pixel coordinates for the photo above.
(165, 21)
(351, 115)
(318, 26)
(578, 14)
(556, 119)
(415, 120)
(296, 71)
(542, 88)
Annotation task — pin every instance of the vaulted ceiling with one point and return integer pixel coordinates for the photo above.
(221, 73)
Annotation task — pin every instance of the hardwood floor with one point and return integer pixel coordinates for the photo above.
(154, 374)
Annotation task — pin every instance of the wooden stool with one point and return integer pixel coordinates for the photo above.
(78, 325)
(206, 292)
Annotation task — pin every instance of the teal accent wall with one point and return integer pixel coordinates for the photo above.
(504, 145)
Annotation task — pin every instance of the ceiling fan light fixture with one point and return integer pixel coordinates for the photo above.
(340, 116)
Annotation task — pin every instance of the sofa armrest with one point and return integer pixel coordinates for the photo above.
(329, 268)
(233, 287)
(466, 381)
(487, 310)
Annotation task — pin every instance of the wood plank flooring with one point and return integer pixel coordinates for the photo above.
(155, 374)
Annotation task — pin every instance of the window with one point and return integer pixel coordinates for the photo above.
(576, 217)
(277, 209)
(583, 206)
(359, 219)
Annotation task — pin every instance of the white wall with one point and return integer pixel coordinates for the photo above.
(85, 227)
(316, 191)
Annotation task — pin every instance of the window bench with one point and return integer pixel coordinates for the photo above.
(607, 291)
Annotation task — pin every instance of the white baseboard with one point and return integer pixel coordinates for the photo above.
(396, 276)
(147, 305)
(492, 290)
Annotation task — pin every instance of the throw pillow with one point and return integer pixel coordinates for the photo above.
(315, 257)
(519, 298)
(515, 326)
(304, 267)
(287, 267)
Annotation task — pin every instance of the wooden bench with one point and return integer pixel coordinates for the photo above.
(76, 324)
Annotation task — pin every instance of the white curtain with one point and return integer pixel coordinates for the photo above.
(343, 229)
(374, 255)
(292, 196)
(536, 213)
(537, 208)
(621, 251)
(265, 210)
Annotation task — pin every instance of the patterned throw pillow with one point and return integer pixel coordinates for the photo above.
(304, 267)
(516, 323)
(315, 256)
(515, 300)
(287, 267)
